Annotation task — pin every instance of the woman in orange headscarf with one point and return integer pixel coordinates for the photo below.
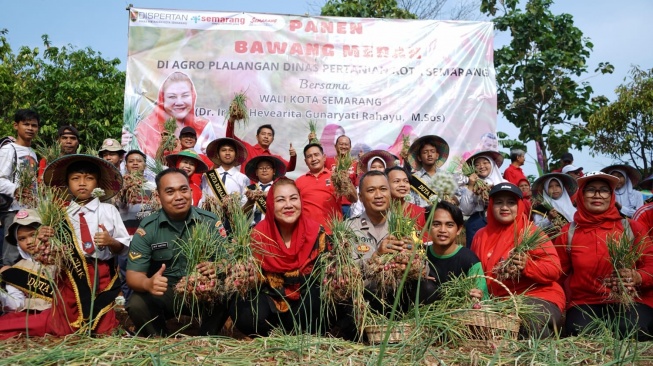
(534, 273)
(287, 244)
(176, 99)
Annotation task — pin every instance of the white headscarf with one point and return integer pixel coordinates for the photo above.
(23, 254)
(495, 176)
(626, 194)
(369, 163)
(563, 204)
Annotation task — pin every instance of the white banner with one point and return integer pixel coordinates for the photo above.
(374, 80)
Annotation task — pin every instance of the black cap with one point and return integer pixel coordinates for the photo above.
(188, 131)
(506, 187)
(567, 157)
(67, 130)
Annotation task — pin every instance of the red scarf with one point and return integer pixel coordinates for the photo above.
(607, 220)
(500, 238)
(160, 115)
(271, 250)
(195, 181)
(150, 128)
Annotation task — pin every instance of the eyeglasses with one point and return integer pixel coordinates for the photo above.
(264, 168)
(603, 192)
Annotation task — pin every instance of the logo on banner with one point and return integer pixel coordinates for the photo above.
(133, 15)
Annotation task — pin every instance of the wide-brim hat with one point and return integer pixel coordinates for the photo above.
(647, 183)
(387, 158)
(610, 179)
(633, 174)
(441, 147)
(110, 179)
(567, 181)
(23, 217)
(200, 165)
(214, 147)
(494, 155)
(279, 167)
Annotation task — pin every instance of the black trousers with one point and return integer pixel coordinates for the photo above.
(473, 224)
(9, 254)
(257, 315)
(545, 321)
(149, 313)
(623, 320)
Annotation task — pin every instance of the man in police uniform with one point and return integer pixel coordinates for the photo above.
(371, 226)
(153, 267)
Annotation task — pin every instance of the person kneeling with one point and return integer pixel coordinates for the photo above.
(287, 244)
(447, 259)
(155, 264)
(533, 271)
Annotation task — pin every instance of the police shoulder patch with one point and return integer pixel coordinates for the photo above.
(140, 231)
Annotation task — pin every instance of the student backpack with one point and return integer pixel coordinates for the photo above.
(5, 199)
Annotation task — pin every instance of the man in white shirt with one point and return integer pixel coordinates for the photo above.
(14, 157)
(226, 179)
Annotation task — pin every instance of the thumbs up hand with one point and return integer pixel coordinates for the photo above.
(292, 150)
(158, 282)
(102, 238)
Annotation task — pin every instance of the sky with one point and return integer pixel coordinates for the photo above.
(620, 32)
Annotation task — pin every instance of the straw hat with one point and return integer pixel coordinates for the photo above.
(387, 158)
(441, 147)
(279, 167)
(200, 165)
(647, 183)
(567, 181)
(494, 155)
(633, 174)
(215, 145)
(110, 179)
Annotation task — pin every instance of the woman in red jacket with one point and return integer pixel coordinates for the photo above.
(534, 274)
(586, 263)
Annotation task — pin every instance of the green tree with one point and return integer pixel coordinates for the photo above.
(365, 9)
(66, 86)
(624, 128)
(537, 87)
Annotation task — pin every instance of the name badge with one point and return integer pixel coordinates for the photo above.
(159, 246)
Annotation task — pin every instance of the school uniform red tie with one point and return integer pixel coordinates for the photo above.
(87, 239)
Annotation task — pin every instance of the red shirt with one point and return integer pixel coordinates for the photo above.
(514, 174)
(588, 263)
(257, 150)
(538, 279)
(644, 215)
(330, 164)
(319, 200)
(417, 213)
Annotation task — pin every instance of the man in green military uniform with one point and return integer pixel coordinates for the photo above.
(154, 267)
